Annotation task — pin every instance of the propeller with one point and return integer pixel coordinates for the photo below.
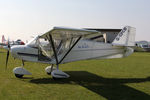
(8, 53)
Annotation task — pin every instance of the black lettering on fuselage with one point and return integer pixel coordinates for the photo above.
(121, 34)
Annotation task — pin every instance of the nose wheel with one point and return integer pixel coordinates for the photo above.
(20, 72)
(19, 75)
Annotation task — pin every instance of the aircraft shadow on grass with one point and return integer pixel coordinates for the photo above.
(110, 88)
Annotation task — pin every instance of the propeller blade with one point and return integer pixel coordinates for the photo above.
(8, 45)
(7, 58)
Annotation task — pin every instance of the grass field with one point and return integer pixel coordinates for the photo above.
(113, 79)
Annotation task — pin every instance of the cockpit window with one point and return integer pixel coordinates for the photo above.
(45, 48)
(95, 37)
(61, 46)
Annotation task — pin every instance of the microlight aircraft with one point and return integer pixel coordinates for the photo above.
(62, 45)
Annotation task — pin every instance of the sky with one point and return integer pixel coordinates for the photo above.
(24, 19)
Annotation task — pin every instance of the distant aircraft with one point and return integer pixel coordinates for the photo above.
(63, 45)
(5, 42)
(142, 46)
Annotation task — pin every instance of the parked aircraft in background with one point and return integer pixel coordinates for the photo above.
(18, 42)
(63, 45)
(142, 46)
(4, 43)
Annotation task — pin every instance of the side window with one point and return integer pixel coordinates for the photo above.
(45, 49)
(97, 38)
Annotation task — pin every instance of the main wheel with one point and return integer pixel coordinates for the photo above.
(54, 78)
(19, 75)
(49, 69)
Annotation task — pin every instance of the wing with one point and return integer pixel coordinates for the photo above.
(65, 33)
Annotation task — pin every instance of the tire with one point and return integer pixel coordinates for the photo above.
(54, 78)
(48, 73)
(18, 75)
(57, 79)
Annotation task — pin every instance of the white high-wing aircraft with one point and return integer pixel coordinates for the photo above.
(62, 45)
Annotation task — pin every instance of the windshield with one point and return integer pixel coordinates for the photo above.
(33, 43)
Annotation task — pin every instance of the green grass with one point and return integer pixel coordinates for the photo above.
(113, 79)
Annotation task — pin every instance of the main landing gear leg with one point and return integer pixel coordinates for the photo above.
(49, 69)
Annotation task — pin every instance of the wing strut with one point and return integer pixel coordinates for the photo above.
(70, 49)
(53, 47)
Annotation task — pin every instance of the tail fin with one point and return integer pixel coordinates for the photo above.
(126, 37)
(3, 39)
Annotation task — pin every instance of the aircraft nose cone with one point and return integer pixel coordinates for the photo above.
(15, 50)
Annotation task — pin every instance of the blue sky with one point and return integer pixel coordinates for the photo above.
(26, 18)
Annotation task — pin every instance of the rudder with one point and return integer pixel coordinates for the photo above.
(126, 37)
